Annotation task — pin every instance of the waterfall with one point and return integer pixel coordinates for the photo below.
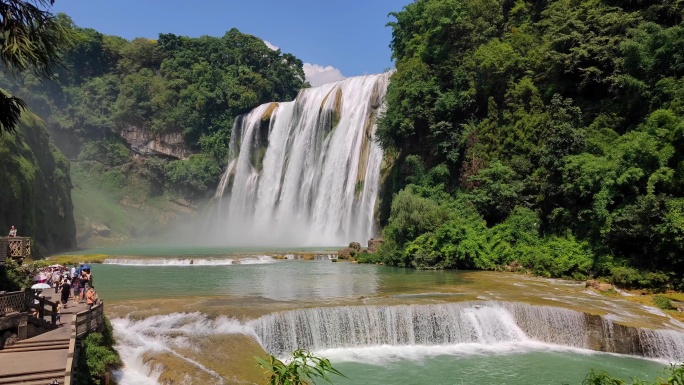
(251, 260)
(306, 172)
(484, 323)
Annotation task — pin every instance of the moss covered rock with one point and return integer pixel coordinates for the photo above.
(35, 188)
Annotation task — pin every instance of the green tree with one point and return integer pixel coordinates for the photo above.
(32, 38)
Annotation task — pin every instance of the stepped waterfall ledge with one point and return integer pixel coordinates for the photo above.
(482, 323)
(306, 172)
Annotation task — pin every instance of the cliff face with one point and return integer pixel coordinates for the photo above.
(35, 188)
(143, 142)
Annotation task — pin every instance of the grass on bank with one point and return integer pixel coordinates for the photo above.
(666, 301)
(67, 260)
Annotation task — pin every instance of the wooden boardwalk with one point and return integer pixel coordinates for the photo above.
(41, 359)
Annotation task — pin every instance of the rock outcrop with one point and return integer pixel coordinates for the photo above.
(143, 142)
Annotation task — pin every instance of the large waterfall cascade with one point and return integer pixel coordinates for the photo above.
(306, 172)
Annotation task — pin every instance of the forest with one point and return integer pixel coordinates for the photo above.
(194, 87)
(186, 88)
(538, 136)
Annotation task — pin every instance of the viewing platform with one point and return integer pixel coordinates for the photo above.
(17, 248)
(41, 349)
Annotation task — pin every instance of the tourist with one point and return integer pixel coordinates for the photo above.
(66, 290)
(73, 272)
(56, 279)
(58, 316)
(13, 232)
(36, 304)
(76, 284)
(84, 283)
(90, 296)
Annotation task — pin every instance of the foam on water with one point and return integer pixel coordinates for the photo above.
(260, 259)
(165, 333)
(380, 334)
(384, 354)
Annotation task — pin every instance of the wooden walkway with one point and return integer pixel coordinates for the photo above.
(39, 360)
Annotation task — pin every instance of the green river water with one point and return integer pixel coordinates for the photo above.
(250, 287)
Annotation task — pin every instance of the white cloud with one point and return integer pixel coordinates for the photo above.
(316, 74)
(271, 46)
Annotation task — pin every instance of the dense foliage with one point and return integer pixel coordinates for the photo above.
(14, 277)
(553, 132)
(32, 39)
(179, 90)
(193, 87)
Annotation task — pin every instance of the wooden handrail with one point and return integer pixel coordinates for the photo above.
(42, 311)
(90, 320)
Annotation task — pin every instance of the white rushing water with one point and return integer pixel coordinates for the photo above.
(357, 333)
(254, 260)
(484, 323)
(306, 172)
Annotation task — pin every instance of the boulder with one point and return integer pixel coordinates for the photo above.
(344, 253)
(373, 244)
(597, 285)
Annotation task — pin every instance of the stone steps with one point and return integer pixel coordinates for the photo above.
(33, 378)
(36, 346)
(31, 342)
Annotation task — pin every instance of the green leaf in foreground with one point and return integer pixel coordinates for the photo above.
(304, 368)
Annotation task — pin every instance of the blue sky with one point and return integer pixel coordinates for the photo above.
(335, 38)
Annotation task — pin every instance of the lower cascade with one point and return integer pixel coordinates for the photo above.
(306, 172)
(447, 324)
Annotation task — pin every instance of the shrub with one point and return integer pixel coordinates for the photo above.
(195, 176)
(302, 370)
(675, 377)
(625, 276)
(629, 277)
(14, 277)
(97, 356)
(663, 302)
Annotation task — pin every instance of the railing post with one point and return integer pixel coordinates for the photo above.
(41, 307)
(25, 301)
(53, 316)
(89, 320)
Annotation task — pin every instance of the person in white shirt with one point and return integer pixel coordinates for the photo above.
(13, 232)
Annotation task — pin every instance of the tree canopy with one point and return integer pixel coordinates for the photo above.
(31, 38)
(567, 112)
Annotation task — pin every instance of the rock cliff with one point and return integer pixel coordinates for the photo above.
(144, 142)
(35, 188)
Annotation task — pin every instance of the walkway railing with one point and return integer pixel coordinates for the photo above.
(25, 301)
(12, 302)
(42, 307)
(87, 321)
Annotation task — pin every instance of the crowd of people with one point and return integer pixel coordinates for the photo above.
(75, 283)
